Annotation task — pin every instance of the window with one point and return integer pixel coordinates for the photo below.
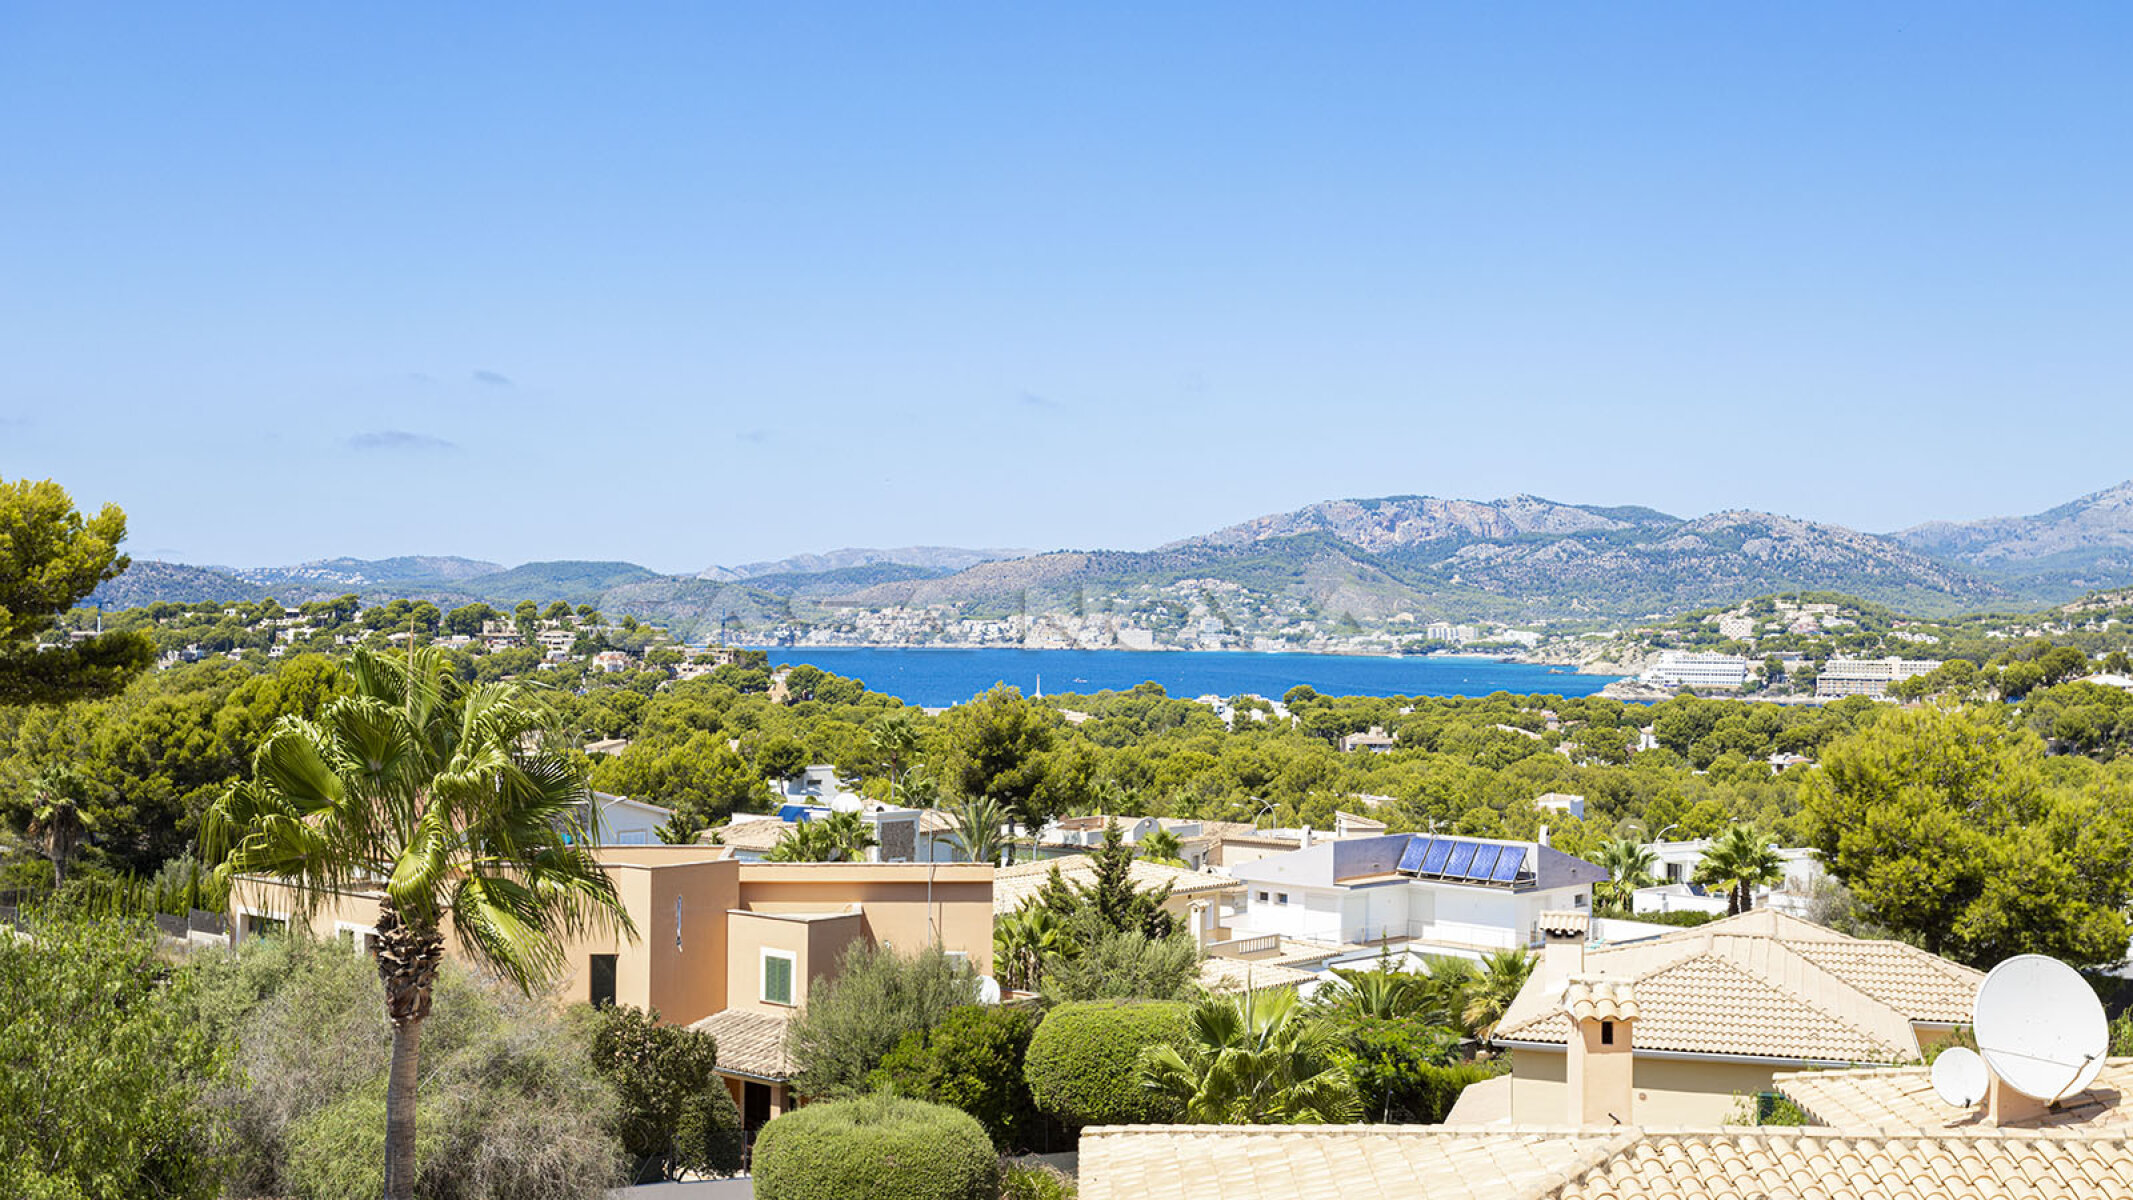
(265, 926)
(1262, 897)
(1607, 1033)
(603, 980)
(777, 977)
(1578, 901)
(1281, 897)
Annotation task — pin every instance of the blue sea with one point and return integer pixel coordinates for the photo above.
(940, 677)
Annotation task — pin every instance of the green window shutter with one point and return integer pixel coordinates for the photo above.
(777, 979)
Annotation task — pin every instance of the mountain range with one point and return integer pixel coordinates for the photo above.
(1523, 558)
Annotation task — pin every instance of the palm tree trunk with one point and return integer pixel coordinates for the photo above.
(407, 964)
(400, 1112)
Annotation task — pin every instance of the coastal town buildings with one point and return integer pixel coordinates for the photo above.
(1684, 669)
(1842, 677)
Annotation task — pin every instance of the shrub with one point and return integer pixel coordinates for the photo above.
(675, 1112)
(509, 1105)
(1083, 1065)
(101, 1072)
(1403, 1069)
(875, 1146)
(1035, 1181)
(971, 1061)
(852, 1021)
(1123, 966)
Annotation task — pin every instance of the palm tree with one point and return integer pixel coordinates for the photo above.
(1442, 993)
(1630, 866)
(978, 821)
(444, 798)
(838, 837)
(893, 741)
(1024, 941)
(58, 820)
(1381, 993)
(1162, 846)
(1253, 1059)
(1740, 860)
(1503, 974)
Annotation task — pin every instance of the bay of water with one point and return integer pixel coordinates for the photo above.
(939, 677)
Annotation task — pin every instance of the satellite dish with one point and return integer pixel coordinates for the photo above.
(988, 990)
(2039, 1027)
(1959, 1076)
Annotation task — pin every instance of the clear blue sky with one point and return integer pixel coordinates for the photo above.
(702, 283)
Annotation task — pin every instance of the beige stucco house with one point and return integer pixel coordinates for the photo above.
(729, 946)
(1715, 1012)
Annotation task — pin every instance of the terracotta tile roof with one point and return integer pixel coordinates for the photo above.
(1711, 1005)
(1349, 1162)
(1765, 985)
(753, 833)
(1903, 1098)
(1235, 974)
(1565, 921)
(1922, 986)
(749, 1042)
(1359, 1162)
(1599, 1000)
(2022, 1165)
(1013, 885)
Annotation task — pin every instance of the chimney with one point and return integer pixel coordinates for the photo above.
(1602, 1067)
(1307, 837)
(1201, 926)
(1543, 838)
(1563, 936)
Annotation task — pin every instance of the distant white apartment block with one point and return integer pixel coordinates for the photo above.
(1867, 676)
(1445, 631)
(1682, 669)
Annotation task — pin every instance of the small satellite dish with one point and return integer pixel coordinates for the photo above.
(1959, 1076)
(2039, 1027)
(988, 990)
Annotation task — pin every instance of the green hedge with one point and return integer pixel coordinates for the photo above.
(973, 1062)
(875, 1148)
(1083, 1065)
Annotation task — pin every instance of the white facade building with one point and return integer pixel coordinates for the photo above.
(1458, 894)
(1682, 669)
(1676, 864)
(1868, 676)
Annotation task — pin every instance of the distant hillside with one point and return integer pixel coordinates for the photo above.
(153, 582)
(939, 559)
(1524, 558)
(841, 580)
(569, 581)
(2078, 546)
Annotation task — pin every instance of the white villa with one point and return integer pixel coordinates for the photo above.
(1445, 893)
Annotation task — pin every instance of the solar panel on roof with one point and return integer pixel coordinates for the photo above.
(1507, 866)
(1462, 854)
(1433, 861)
(1484, 862)
(1411, 858)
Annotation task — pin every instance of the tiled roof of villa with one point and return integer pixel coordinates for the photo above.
(1903, 1098)
(758, 833)
(1763, 985)
(1707, 1004)
(749, 1042)
(1361, 1162)
(1011, 886)
(1236, 974)
(1349, 1162)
